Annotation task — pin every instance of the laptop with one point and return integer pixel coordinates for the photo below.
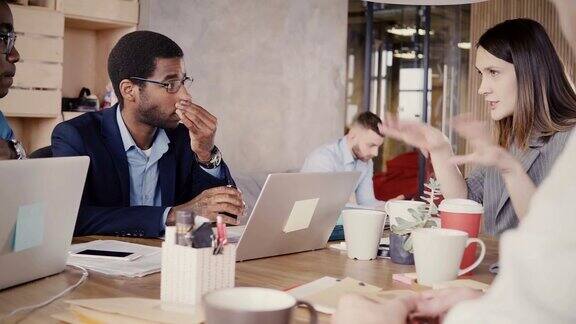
(295, 212)
(40, 200)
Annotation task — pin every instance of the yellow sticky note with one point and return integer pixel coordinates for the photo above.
(29, 231)
(301, 215)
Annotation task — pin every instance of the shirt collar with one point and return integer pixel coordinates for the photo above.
(161, 140)
(346, 151)
(536, 141)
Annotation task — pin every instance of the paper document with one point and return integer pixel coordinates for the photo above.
(125, 310)
(149, 263)
(469, 283)
(325, 293)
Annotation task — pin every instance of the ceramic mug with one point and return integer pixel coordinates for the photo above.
(362, 232)
(247, 305)
(399, 209)
(463, 215)
(438, 253)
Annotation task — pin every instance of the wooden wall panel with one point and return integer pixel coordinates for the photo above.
(487, 14)
(43, 49)
(124, 11)
(37, 21)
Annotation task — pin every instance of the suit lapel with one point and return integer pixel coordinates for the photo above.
(167, 176)
(527, 159)
(113, 142)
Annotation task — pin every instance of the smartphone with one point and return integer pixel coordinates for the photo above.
(90, 253)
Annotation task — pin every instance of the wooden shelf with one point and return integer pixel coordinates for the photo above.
(75, 38)
(80, 22)
(102, 14)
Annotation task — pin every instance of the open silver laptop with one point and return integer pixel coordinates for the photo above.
(295, 212)
(39, 201)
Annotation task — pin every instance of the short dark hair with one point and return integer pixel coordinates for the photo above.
(369, 120)
(135, 55)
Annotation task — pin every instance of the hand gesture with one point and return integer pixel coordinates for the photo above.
(422, 136)
(216, 201)
(484, 150)
(436, 303)
(201, 127)
(359, 309)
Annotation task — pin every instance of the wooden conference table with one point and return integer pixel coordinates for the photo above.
(281, 272)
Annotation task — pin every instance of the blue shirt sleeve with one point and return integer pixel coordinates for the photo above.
(319, 161)
(165, 216)
(365, 190)
(216, 172)
(6, 132)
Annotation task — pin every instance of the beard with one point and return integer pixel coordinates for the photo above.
(357, 154)
(151, 114)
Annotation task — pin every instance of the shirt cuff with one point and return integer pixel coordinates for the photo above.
(165, 216)
(216, 172)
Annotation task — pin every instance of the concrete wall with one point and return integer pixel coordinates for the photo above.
(272, 71)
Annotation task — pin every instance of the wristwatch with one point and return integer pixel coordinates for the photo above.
(18, 148)
(215, 159)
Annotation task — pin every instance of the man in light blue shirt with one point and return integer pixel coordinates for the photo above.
(353, 152)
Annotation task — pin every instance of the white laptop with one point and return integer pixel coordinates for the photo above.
(295, 212)
(39, 201)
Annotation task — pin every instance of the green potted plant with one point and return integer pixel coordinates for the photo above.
(400, 239)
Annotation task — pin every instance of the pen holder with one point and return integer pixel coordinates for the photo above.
(189, 273)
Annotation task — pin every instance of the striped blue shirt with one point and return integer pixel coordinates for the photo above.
(6, 132)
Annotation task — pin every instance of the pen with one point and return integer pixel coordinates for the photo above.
(222, 238)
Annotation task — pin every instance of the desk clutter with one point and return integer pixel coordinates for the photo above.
(325, 292)
(195, 262)
(412, 278)
(147, 263)
(124, 310)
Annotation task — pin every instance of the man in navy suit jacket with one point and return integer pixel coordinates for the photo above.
(144, 164)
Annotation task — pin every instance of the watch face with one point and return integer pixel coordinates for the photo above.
(216, 158)
(20, 151)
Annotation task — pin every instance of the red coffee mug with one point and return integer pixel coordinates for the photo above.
(463, 215)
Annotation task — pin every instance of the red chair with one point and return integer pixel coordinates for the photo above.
(401, 177)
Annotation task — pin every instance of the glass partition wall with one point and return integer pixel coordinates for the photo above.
(387, 73)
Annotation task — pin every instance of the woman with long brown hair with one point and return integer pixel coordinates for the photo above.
(533, 105)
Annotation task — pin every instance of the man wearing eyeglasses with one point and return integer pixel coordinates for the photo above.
(10, 148)
(151, 155)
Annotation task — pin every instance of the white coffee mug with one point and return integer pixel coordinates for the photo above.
(438, 252)
(399, 209)
(362, 232)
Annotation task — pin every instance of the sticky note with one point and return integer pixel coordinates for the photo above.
(301, 215)
(29, 231)
(405, 278)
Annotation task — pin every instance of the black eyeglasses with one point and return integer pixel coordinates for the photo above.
(171, 86)
(9, 40)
